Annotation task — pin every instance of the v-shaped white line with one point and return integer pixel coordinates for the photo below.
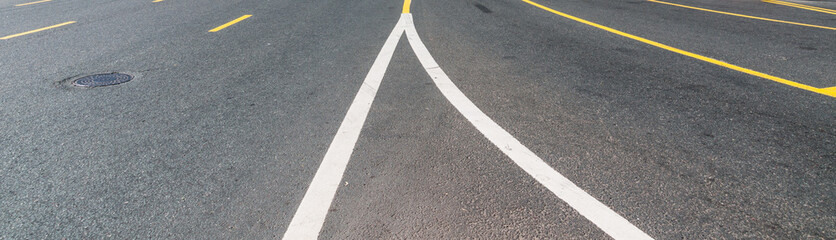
(309, 217)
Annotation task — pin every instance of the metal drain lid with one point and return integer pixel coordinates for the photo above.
(100, 80)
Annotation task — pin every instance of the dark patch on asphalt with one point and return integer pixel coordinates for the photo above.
(808, 48)
(588, 92)
(623, 50)
(66, 82)
(482, 8)
(102, 80)
(693, 87)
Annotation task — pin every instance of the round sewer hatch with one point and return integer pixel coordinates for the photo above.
(100, 80)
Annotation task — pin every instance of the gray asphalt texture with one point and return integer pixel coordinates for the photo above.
(219, 134)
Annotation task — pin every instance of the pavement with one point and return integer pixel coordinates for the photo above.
(678, 122)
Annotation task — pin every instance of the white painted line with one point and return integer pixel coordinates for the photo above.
(309, 217)
(602, 216)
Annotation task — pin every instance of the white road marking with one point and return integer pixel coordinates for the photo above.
(602, 216)
(309, 217)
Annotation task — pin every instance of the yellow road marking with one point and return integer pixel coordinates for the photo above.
(156, 1)
(406, 4)
(802, 6)
(826, 91)
(230, 23)
(30, 3)
(744, 16)
(36, 30)
(829, 91)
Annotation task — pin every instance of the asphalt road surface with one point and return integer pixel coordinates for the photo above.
(424, 119)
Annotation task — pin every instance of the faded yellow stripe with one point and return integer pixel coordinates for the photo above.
(230, 23)
(690, 54)
(744, 16)
(802, 6)
(36, 30)
(30, 3)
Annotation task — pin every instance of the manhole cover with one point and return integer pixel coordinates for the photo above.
(99, 80)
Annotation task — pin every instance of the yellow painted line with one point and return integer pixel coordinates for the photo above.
(230, 23)
(406, 4)
(743, 16)
(156, 1)
(36, 30)
(30, 3)
(802, 6)
(825, 91)
(831, 91)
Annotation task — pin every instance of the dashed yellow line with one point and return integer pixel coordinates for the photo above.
(30, 3)
(802, 6)
(230, 23)
(156, 1)
(406, 4)
(743, 16)
(36, 30)
(826, 91)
